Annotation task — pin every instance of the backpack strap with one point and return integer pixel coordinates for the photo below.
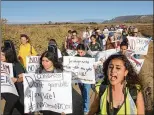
(31, 49)
(133, 90)
(101, 91)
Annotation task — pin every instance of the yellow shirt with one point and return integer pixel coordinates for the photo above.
(25, 50)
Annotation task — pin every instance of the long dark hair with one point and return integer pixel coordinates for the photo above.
(80, 47)
(51, 56)
(9, 55)
(132, 77)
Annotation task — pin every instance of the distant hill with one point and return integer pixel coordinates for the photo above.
(132, 18)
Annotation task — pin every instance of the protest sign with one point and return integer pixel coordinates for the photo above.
(105, 54)
(7, 85)
(49, 91)
(137, 66)
(81, 67)
(93, 53)
(100, 58)
(138, 45)
(7, 68)
(32, 63)
(71, 52)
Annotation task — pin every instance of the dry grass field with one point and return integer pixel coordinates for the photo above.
(40, 34)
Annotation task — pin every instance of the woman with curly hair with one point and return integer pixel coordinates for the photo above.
(114, 95)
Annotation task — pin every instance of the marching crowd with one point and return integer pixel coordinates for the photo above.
(120, 92)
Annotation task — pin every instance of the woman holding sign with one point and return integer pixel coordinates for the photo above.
(49, 64)
(85, 88)
(120, 92)
(13, 101)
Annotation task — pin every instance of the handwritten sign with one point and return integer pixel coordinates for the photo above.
(138, 45)
(100, 58)
(52, 91)
(137, 66)
(71, 52)
(105, 54)
(33, 63)
(7, 68)
(81, 68)
(7, 85)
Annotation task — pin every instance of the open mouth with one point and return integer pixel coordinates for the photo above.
(113, 78)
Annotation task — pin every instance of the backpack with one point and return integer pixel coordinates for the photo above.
(53, 48)
(132, 90)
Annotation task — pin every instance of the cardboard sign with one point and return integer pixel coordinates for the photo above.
(138, 45)
(81, 67)
(50, 91)
(7, 85)
(33, 63)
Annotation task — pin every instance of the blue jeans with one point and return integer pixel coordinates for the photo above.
(85, 89)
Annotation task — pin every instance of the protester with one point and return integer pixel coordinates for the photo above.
(67, 39)
(136, 34)
(49, 64)
(53, 47)
(94, 46)
(120, 92)
(25, 49)
(99, 37)
(110, 43)
(13, 101)
(123, 47)
(74, 41)
(86, 36)
(85, 88)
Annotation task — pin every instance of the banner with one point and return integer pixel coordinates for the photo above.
(50, 91)
(7, 85)
(71, 52)
(81, 67)
(138, 45)
(7, 68)
(32, 63)
(136, 66)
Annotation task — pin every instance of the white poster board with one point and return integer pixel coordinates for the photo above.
(50, 91)
(138, 45)
(32, 63)
(81, 67)
(136, 66)
(105, 54)
(100, 58)
(7, 85)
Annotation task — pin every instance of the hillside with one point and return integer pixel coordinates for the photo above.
(132, 18)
